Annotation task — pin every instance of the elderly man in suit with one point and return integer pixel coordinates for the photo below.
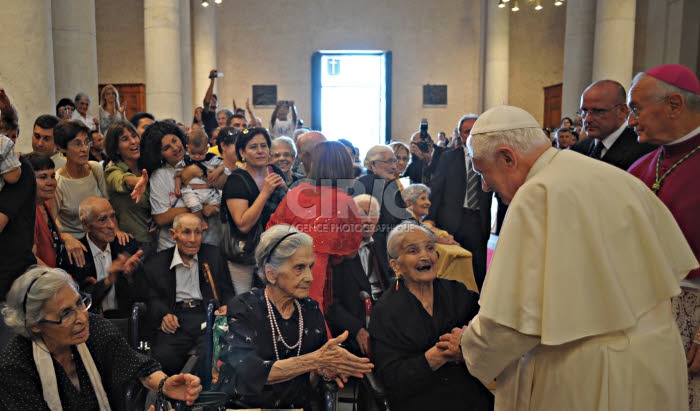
(180, 288)
(459, 205)
(111, 273)
(604, 112)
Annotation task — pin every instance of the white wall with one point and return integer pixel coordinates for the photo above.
(536, 55)
(436, 42)
(120, 47)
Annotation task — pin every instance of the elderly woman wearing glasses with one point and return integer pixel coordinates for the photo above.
(66, 358)
(276, 345)
(283, 153)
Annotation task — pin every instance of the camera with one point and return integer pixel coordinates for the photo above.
(425, 140)
(217, 74)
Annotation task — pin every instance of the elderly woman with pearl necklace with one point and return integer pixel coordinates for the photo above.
(276, 346)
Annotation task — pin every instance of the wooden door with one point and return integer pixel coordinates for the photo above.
(134, 95)
(552, 106)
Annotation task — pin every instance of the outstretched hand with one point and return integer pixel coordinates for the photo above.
(341, 362)
(140, 187)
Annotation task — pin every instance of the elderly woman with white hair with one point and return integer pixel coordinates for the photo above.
(380, 182)
(283, 154)
(417, 357)
(276, 345)
(64, 357)
(455, 262)
(82, 103)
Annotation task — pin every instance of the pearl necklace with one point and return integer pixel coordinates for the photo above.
(276, 329)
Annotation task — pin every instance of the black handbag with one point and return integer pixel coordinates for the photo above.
(236, 246)
(239, 247)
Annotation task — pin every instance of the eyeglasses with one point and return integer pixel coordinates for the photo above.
(401, 158)
(636, 111)
(278, 155)
(596, 112)
(68, 318)
(392, 160)
(80, 143)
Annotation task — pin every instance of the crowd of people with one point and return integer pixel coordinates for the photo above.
(328, 269)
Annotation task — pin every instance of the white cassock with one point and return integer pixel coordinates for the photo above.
(575, 310)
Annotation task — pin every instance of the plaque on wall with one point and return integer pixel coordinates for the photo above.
(434, 95)
(264, 95)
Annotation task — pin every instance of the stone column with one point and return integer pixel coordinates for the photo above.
(613, 50)
(163, 58)
(75, 49)
(27, 66)
(205, 56)
(578, 53)
(496, 55)
(186, 57)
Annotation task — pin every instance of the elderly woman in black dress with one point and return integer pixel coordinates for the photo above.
(66, 358)
(276, 345)
(417, 358)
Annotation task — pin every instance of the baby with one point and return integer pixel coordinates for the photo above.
(10, 167)
(197, 192)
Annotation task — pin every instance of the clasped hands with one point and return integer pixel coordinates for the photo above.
(449, 345)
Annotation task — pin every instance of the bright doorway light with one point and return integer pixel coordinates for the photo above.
(351, 96)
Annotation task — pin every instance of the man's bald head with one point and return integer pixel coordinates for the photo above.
(305, 145)
(603, 109)
(99, 220)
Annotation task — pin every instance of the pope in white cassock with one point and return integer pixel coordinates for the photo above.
(575, 310)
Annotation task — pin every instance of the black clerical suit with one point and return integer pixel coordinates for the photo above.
(171, 349)
(622, 154)
(128, 289)
(347, 312)
(471, 229)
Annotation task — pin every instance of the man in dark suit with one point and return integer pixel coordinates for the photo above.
(111, 273)
(459, 205)
(604, 112)
(180, 289)
(363, 271)
(423, 163)
(379, 182)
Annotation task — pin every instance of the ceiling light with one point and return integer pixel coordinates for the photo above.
(205, 3)
(558, 2)
(515, 6)
(538, 7)
(501, 4)
(217, 1)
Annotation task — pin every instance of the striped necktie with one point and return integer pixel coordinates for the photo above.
(473, 182)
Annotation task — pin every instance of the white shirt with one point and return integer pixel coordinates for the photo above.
(186, 278)
(611, 139)
(163, 198)
(103, 260)
(87, 120)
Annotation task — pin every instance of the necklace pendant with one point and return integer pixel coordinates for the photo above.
(656, 186)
